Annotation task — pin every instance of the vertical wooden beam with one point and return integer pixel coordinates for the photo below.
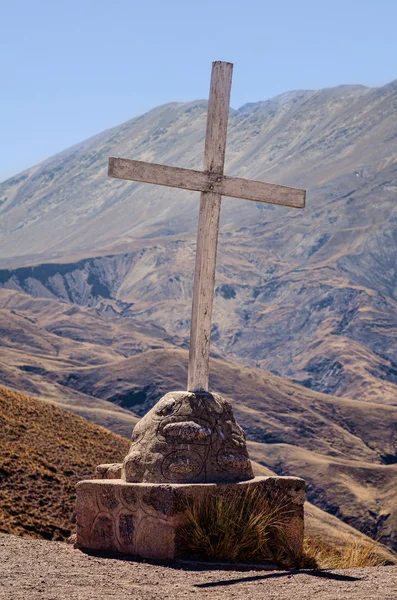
(208, 227)
(217, 117)
(203, 291)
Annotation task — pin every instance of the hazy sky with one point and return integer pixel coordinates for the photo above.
(71, 68)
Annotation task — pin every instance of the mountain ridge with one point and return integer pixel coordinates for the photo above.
(162, 113)
(322, 280)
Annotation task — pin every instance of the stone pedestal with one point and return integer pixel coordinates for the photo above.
(143, 519)
(187, 447)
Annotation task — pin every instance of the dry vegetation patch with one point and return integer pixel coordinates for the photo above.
(248, 527)
(354, 553)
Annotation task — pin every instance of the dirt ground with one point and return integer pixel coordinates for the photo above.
(35, 569)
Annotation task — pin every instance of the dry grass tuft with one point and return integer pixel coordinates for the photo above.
(241, 526)
(354, 553)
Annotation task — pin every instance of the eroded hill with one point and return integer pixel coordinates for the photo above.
(309, 295)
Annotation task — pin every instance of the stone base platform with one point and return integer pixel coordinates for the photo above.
(143, 519)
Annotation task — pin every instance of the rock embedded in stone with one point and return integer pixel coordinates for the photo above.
(188, 438)
(108, 471)
(233, 460)
(187, 431)
(182, 464)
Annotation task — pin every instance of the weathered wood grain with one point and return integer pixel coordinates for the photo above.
(199, 181)
(260, 191)
(203, 291)
(208, 227)
(135, 170)
(217, 117)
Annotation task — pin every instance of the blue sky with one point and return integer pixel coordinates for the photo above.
(71, 68)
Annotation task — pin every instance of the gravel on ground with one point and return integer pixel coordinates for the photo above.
(42, 570)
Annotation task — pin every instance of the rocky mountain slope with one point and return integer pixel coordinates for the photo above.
(345, 449)
(321, 140)
(309, 295)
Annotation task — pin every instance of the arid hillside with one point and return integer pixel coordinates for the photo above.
(306, 294)
(321, 140)
(46, 450)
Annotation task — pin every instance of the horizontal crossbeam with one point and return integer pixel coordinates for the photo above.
(199, 181)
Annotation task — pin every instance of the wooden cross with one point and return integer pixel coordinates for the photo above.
(212, 184)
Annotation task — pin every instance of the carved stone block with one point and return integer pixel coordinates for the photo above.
(143, 519)
(188, 438)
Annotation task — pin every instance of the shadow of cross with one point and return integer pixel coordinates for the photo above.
(312, 573)
(212, 184)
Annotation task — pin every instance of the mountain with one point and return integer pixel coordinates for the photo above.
(46, 450)
(97, 280)
(321, 140)
(309, 295)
